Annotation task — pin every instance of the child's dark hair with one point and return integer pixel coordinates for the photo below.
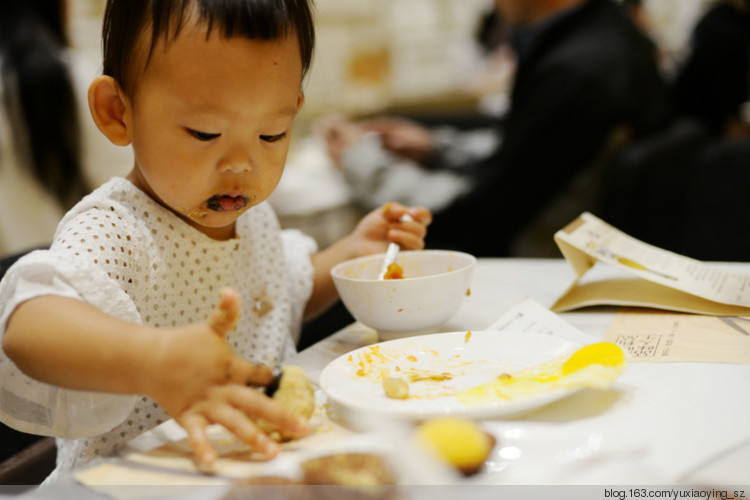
(125, 20)
(40, 98)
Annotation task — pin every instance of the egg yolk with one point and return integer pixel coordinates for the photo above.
(457, 441)
(602, 353)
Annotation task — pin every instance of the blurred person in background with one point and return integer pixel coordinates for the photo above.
(428, 151)
(50, 152)
(713, 84)
(584, 73)
(684, 188)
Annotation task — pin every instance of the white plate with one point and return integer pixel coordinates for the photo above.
(471, 360)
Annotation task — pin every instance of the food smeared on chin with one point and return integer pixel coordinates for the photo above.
(194, 213)
(394, 272)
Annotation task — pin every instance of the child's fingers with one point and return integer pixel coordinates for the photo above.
(195, 425)
(407, 240)
(239, 424)
(224, 317)
(393, 212)
(421, 215)
(408, 234)
(243, 372)
(260, 406)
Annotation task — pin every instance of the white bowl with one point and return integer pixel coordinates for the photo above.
(435, 284)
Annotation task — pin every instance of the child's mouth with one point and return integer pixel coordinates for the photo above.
(226, 203)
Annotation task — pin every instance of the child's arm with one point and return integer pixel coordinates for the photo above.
(372, 235)
(190, 370)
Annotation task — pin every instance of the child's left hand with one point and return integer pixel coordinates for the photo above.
(384, 225)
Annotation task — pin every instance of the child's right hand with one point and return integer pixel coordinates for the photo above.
(198, 380)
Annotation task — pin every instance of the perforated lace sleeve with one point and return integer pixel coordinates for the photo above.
(85, 263)
(298, 250)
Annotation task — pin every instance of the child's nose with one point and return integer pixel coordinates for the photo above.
(237, 161)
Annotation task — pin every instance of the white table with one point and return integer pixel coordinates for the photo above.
(664, 423)
(661, 424)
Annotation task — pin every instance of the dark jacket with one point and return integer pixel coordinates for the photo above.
(580, 75)
(714, 82)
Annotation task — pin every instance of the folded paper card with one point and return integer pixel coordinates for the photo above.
(643, 275)
(660, 288)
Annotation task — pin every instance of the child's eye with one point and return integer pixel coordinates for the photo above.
(202, 136)
(273, 138)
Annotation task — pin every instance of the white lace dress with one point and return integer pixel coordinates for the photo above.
(124, 253)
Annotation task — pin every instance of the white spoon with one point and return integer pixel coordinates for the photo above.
(392, 252)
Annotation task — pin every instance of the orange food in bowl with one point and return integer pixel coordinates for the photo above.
(394, 272)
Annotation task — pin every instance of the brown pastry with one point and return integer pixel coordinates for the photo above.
(358, 476)
(269, 488)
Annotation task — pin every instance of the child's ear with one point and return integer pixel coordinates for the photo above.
(108, 107)
(300, 100)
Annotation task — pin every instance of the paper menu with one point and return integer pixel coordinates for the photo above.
(656, 337)
(647, 336)
(652, 277)
(527, 315)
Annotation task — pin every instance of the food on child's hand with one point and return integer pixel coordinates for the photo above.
(396, 387)
(456, 441)
(394, 272)
(296, 395)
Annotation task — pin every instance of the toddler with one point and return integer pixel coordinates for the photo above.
(116, 327)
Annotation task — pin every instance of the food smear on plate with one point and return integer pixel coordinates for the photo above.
(394, 272)
(430, 375)
(595, 365)
(402, 375)
(372, 361)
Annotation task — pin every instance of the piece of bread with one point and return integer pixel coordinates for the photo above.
(295, 394)
(348, 469)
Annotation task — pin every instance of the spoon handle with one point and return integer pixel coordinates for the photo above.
(390, 258)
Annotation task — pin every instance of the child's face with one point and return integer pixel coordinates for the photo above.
(210, 124)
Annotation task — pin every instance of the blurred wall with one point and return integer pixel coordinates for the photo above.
(373, 53)
(379, 54)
